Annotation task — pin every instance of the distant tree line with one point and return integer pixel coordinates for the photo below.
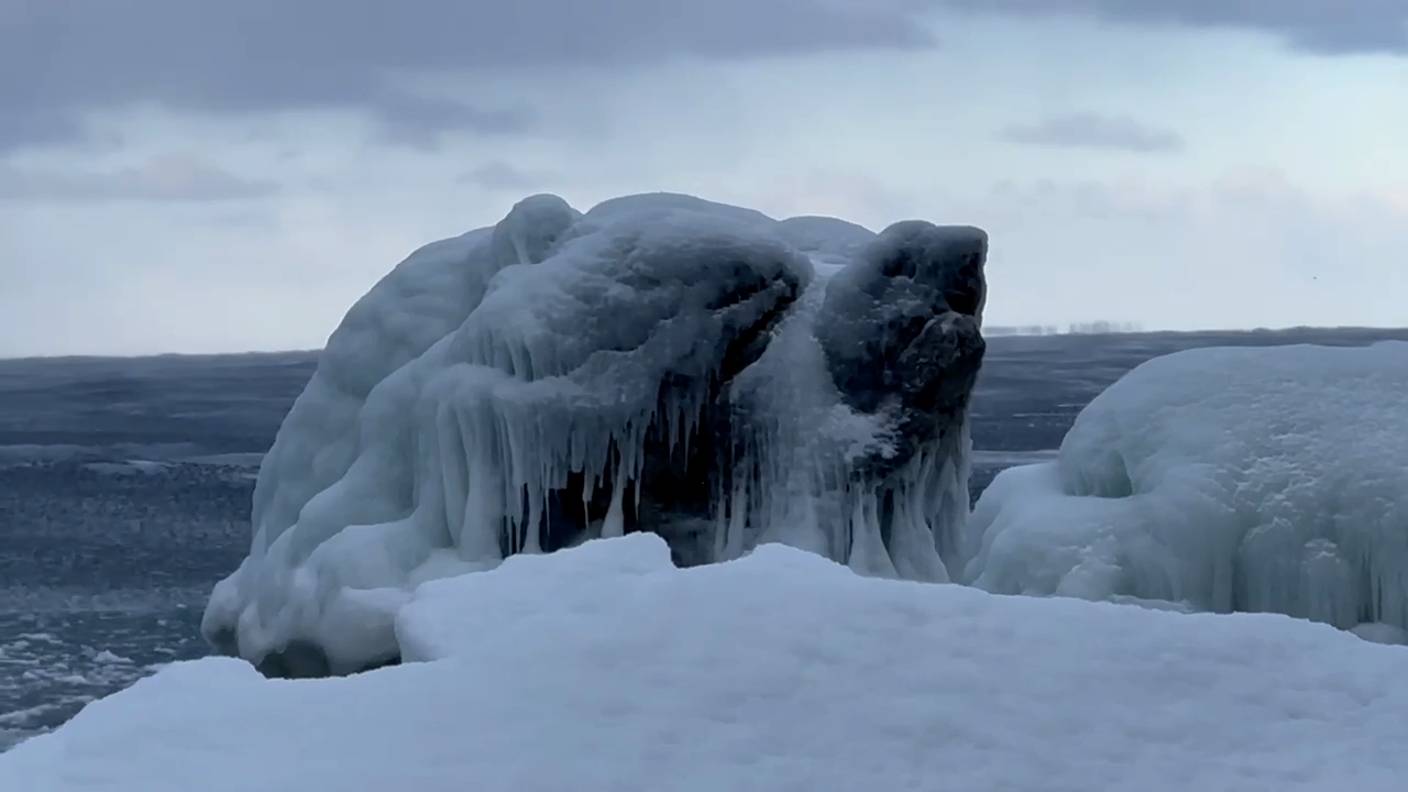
(1075, 328)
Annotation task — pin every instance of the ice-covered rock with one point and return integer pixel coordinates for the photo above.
(1271, 479)
(660, 363)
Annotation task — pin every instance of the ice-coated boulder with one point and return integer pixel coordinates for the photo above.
(901, 333)
(660, 363)
(1257, 479)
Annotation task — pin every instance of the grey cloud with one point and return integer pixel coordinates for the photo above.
(60, 58)
(422, 122)
(499, 175)
(171, 178)
(1088, 130)
(1330, 27)
(21, 124)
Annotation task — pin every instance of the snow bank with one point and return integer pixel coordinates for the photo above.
(1271, 479)
(604, 668)
(651, 365)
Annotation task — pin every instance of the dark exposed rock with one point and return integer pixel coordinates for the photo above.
(900, 328)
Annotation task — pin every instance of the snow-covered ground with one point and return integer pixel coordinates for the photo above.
(605, 668)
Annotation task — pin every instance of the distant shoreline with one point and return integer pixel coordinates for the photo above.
(1091, 329)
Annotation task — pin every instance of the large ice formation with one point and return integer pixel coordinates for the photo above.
(1271, 479)
(660, 363)
(602, 667)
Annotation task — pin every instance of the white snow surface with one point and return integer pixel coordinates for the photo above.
(604, 668)
(1249, 479)
(484, 371)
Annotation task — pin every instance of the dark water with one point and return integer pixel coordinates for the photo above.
(125, 487)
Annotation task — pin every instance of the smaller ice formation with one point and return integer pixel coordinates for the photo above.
(660, 363)
(1271, 479)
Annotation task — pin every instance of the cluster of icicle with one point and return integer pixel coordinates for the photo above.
(796, 481)
(496, 462)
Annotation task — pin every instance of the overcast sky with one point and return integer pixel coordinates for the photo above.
(191, 175)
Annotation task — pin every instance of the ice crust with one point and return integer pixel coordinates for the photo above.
(603, 667)
(653, 364)
(1231, 479)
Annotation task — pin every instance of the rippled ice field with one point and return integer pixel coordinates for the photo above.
(125, 487)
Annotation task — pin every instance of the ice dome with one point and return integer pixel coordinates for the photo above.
(660, 363)
(1258, 479)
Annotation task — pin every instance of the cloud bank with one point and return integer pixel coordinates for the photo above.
(1089, 130)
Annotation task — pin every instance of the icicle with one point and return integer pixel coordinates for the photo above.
(868, 553)
(738, 520)
(691, 422)
(482, 515)
(537, 513)
(720, 522)
(588, 489)
(615, 524)
(454, 474)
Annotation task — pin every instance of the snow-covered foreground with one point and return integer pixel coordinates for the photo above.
(605, 668)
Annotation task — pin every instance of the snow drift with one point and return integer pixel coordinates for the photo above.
(602, 667)
(659, 364)
(1271, 479)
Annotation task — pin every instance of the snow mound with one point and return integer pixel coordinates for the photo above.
(1270, 479)
(605, 668)
(660, 363)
